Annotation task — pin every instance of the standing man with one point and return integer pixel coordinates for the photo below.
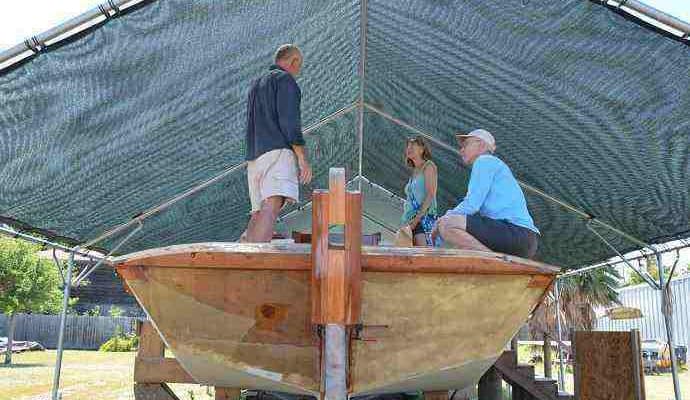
(276, 156)
(493, 216)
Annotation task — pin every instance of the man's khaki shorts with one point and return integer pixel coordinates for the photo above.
(273, 174)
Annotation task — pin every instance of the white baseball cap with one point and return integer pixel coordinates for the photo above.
(482, 134)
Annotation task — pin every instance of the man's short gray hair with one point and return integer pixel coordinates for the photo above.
(286, 51)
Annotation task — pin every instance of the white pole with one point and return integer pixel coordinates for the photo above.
(335, 358)
(668, 322)
(362, 78)
(561, 366)
(67, 283)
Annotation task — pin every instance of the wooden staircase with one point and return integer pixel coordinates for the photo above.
(525, 385)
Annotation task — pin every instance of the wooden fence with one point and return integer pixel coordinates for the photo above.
(81, 332)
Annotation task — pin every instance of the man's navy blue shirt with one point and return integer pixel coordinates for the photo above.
(273, 113)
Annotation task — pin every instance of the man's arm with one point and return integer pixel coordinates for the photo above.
(302, 163)
(481, 179)
(289, 99)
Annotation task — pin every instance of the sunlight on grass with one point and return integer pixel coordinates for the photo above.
(89, 375)
(86, 375)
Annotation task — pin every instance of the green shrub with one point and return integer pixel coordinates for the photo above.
(121, 342)
(116, 311)
(94, 312)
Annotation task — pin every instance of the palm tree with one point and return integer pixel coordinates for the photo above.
(579, 296)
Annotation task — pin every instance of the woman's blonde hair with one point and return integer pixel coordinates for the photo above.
(426, 150)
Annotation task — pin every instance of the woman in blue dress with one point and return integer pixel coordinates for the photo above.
(420, 210)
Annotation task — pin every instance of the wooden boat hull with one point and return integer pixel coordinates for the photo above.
(231, 328)
(240, 316)
(443, 330)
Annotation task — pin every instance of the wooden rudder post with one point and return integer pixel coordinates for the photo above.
(336, 278)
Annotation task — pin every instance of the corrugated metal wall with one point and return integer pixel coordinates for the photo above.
(651, 325)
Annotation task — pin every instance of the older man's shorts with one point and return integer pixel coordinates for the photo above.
(273, 174)
(502, 236)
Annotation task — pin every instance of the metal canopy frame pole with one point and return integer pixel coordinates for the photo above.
(642, 274)
(561, 365)
(383, 189)
(64, 30)
(98, 14)
(362, 80)
(380, 223)
(67, 285)
(585, 269)
(452, 149)
(611, 263)
(155, 210)
(590, 222)
(304, 206)
(654, 14)
(668, 322)
(524, 185)
(88, 271)
(664, 291)
(29, 238)
(229, 171)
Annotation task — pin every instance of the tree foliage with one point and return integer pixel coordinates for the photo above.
(579, 296)
(27, 282)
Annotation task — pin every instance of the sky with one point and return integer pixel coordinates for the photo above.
(21, 19)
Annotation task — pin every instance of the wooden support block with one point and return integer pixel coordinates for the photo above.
(319, 253)
(336, 273)
(547, 356)
(439, 395)
(520, 394)
(335, 288)
(151, 366)
(152, 370)
(223, 393)
(150, 343)
(153, 391)
(336, 189)
(353, 256)
(490, 385)
(595, 353)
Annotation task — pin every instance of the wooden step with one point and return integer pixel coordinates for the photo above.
(547, 385)
(526, 370)
(523, 376)
(565, 396)
(509, 358)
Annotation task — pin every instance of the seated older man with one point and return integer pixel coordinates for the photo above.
(493, 216)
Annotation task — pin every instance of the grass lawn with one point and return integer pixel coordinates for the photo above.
(88, 375)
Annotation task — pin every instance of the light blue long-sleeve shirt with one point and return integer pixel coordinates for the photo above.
(494, 192)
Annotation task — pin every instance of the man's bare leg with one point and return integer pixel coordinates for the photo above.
(453, 230)
(260, 228)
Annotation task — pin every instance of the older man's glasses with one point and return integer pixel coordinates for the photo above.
(465, 143)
